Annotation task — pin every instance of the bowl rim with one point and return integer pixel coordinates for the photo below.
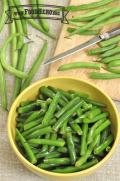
(37, 170)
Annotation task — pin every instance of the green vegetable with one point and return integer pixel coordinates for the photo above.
(111, 52)
(111, 41)
(110, 59)
(88, 32)
(83, 146)
(77, 65)
(96, 118)
(3, 16)
(105, 76)
(53, 137)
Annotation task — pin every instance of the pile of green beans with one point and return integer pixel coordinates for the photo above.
(92, 22)
(63, 131)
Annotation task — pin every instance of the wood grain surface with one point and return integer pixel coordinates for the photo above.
(112, 87)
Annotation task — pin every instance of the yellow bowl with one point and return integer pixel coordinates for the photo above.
(65, 83)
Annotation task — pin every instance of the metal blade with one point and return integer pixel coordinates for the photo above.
(87, 44)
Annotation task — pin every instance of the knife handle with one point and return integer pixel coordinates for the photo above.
(110, 34)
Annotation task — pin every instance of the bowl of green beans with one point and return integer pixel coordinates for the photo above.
(63, 128)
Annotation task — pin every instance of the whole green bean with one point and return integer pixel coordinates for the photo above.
(35, 66)
(3, 16)
(72, 169)
(5, 65)
(76, 128)
(84, 158)
(65, 117)
(39, 132)
(3, 91)
(68, 106)
(47, 142)
(111, 41)
(114, 63)
(83, 146)
(104, 145)
(89, 5)
(20, 66)
(113, 70)
(88, 32)
(53, 137)
(26, 146)
(52, 108)
(77, 65)
(97, 118)
(83, 19)
(100, 50)
(105, 76)
(111, 52)
(99, 19)
(71, 147)
(110, 59)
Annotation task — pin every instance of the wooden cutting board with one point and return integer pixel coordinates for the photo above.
(112, 87)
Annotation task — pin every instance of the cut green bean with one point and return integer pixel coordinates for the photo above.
(76, 128)
(104, 135)
(35, 66)
(93, 113)
(47, 142)
(31, 124)
(58, 161)
(52, 108)
(62, 150)
(53, 155)
(27, 108)
(26, 146)
(105, 76)
(72, 169)
(97, 118)
(71, 147)
(83, 146)
(65, 117)
(104, 145)
(35, 115)
(53, 137)
(101, 127)
(77, 65)
(45, 147)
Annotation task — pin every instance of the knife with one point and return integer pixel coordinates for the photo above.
(93, 41)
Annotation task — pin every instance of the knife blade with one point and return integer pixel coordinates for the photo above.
(85, 45)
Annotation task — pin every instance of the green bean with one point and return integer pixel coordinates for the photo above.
(77, 65)
(80, 94)
(27, 132)
(3, 90)
(72, 169)
(111, 41)
(104, 135)
(101, 127)
(97, 118)
(35, 66)
(31, 124)
(14, 52)
(114, 63)
(84, 158)
(100, 50)
(65, 93)
(68, 106)
(45, 147)
(47, 142)
(20, 66)
(110, 59)
(43, 22)
(94, 102)
(53, 155)
(47, 154)
(62, 150)
(63, 128)
(39, 28)
(25, 103)
(93, 113)
(24, 26)
(99, 19)
(35, 115)
(104, 145)
(65, 117)
(58, 161)
(25, 115)
(83, 146)
(56, 90)
(52, 108)
(49, 93)
(88, 6)
(88, 32)
(53, 137)
(71, 147)
(113, 70)
(111, 52)
(84, 19)
(76, 128)
(27, 108)
(40, 132)
(105, 76)
(3, 16)
(3, 59)
(108, 148)
(26, 146)
(34, 150)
